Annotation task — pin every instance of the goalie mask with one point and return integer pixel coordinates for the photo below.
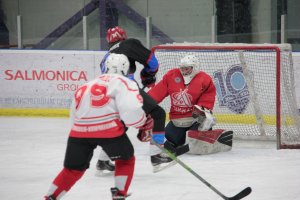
(117, 64)
(187, 67)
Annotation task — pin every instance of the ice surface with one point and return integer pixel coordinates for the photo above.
(32, 153)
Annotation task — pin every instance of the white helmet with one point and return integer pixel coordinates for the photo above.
(187, 67)
(117, 64)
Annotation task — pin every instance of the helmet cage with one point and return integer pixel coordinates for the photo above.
(187, 67)
(186, 70)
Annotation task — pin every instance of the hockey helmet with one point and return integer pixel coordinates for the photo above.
(117, 64)
(115, 34)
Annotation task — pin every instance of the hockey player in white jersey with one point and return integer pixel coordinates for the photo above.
(100, 112)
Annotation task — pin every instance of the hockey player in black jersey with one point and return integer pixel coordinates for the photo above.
(136, 52)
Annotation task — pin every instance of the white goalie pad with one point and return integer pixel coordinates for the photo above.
(209, 142)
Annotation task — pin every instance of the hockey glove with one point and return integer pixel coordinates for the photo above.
(198, 114)
(148, 78)
(204, 120)
(145, 132)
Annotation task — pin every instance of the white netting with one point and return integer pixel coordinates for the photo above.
(245, 76)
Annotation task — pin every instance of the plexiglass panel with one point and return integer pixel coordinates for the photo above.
(60, 24)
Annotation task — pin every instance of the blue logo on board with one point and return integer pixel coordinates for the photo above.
(232, 89)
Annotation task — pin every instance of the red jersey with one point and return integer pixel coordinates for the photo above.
(201, 91)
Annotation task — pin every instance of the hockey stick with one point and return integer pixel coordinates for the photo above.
(245, 192)
(238, 196)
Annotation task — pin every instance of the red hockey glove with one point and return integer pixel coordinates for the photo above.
(145, 131)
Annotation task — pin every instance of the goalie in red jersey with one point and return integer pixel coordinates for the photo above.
(192, 96)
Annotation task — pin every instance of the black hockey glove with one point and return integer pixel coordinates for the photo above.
(148, 79)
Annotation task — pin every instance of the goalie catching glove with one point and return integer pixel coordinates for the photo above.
(203, 118)
(145, 132)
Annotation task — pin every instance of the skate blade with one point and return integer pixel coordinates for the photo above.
(102, 173)
(121, 197)
(161, 167)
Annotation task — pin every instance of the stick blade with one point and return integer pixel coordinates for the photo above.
(242, 194)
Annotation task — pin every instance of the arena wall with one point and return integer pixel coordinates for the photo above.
(41, 82)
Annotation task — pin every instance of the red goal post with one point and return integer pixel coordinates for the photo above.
(255, 87)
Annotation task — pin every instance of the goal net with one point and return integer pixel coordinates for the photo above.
(255, 87)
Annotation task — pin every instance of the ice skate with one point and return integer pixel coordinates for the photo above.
(116, 195)
(161, 161)
(104, 168)
(50, 198)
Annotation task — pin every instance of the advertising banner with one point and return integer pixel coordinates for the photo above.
(48, 78)
(44, 79)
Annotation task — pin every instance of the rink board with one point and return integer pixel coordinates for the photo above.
(41, 82)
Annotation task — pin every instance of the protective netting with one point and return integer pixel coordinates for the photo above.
(253, 98)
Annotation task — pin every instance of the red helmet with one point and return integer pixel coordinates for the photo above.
(115, 34)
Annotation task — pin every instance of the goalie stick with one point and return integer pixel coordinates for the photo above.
(238, 196)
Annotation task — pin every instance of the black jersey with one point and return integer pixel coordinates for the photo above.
(134, 50)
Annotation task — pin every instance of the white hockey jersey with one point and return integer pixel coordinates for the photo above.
(100, 105)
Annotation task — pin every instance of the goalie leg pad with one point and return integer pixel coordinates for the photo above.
(226, 138)
(208, 142)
